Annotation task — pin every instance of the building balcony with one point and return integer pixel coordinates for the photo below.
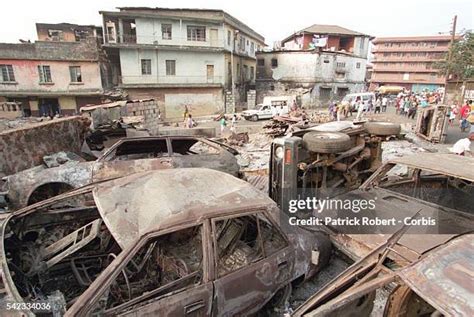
(404, 70)
(397, 59)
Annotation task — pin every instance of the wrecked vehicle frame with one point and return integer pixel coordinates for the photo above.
(201, 241)
(127, 156)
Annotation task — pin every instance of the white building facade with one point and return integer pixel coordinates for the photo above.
(182, 57)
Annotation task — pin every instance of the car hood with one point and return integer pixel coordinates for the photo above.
(389, 204)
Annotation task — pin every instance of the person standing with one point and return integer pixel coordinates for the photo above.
(465, 111)
(384, 103)
(189, 122)
(360, 109)
(378, 104)
(186, 112)
(412, 109)
(233, 124)
(223, 124)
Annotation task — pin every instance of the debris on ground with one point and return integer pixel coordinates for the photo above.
(237, 139)
(60, 158)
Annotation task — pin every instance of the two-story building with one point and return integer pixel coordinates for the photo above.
(49, 78)
(202, 59)
(62, 71)
(317, 64)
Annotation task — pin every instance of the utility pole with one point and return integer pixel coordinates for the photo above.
(450, 55)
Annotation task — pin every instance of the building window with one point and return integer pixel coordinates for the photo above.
(146, 66)
(7, 73)
(242, 43)
(229, 38)
(357, 65)
(252, 48)
(197, 33)
(361, 44)
(238, 70)
(246, 72)
(260, 62)
(56, 35)
(75, 72)
(340, 64)
(252, 71)
(44, 72)
(274, 62)
(170, 68)
(166, 31)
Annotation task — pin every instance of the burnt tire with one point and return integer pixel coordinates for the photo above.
(327, 142)
(382, 128)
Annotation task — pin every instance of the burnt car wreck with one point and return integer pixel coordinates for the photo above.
(102, 249)
(125, 157)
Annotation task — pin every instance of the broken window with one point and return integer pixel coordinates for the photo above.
(140, 149)
(146, 66)
(274, 62)
(273, 240)
(59, 250)
(166, 31)
(44, 72)
(238, 243)
(192, 147)
(260, 62)
(56, 35)
(76, 75)
(170, 68)
(357, 65)
(7, 73)
(196, 33)
(81, 35)
(325, 93)
(163, 266)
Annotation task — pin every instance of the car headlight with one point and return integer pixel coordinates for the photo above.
(279, 152)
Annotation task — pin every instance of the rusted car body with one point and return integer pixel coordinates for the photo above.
(438, 284)
(165, 243)
(127, 156)
(442, 185)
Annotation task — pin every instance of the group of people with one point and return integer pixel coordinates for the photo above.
(344, 109)
(407, 104)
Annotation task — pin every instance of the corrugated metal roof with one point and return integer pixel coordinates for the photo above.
(330, 29)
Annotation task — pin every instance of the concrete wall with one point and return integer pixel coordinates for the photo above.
(23, 148)
(171, 101)
(27, 77)
(191, 67)
(150, 112)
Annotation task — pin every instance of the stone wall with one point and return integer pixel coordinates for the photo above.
(25, 147)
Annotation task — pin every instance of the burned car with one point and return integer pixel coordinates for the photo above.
(440, 186)
(438, 284)
(328, 158)
(169, 242)
(127, 156)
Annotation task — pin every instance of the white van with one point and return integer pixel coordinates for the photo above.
(271, 106)
(364, 95)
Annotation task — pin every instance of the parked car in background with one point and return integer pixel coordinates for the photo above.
(127, 156)
(271, 106)
(165, 243)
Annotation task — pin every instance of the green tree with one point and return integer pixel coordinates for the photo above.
(461, 63)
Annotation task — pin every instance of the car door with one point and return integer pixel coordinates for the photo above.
(162, 275)
(247, 272)
(130, 156)
(266, 112)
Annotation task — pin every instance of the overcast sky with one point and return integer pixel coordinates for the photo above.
(274, 19)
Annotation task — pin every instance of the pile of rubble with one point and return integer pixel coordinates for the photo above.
(280, 125)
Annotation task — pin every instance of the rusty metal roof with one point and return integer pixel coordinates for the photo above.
(137, 204)
(445, 278)
(448, 164)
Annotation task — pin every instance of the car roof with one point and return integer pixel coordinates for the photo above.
(448, 164)
(156, 200)
(444, 277)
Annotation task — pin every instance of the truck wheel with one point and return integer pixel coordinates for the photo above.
(327, 142)
(254, 117)
(382, 128)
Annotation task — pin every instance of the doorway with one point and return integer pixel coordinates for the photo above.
(48, 107)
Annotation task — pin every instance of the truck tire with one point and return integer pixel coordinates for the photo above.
(327, 142)
(382, 128)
